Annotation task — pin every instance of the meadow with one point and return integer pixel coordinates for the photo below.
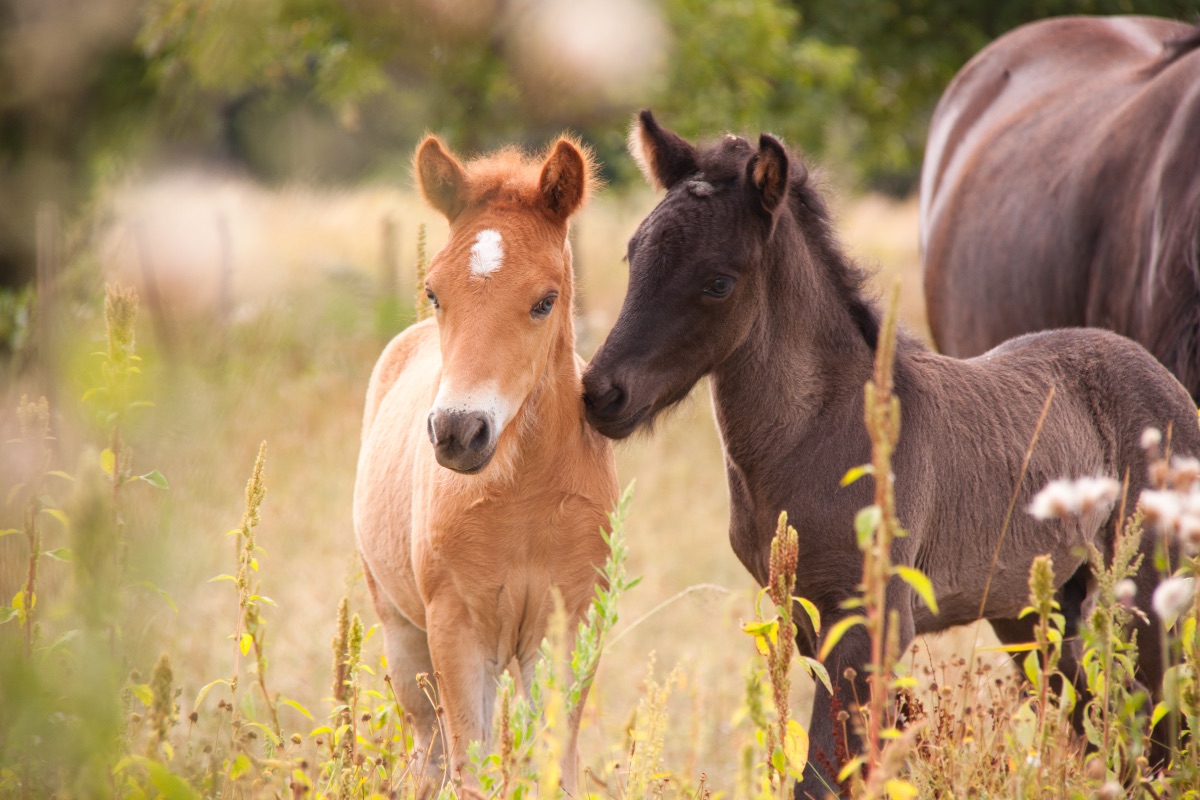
(260, 322)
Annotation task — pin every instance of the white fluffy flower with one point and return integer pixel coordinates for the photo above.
(1162, 507)
(1097, 493)
(1151, 437)
(1125, 591)
(1056, 500)
(1171, 597)
(1065, 497)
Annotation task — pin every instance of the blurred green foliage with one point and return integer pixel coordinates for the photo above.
(338, 90)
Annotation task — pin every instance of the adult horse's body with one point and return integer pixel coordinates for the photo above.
(480, 487)
(1061, 187)
(737, 275)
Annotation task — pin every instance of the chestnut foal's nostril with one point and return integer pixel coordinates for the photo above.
(432, 433)
(477, 433)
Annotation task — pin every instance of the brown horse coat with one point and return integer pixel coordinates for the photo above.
(737, 275)
(480, 488)
(1061, 187)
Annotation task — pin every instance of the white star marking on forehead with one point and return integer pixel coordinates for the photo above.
(487, 254)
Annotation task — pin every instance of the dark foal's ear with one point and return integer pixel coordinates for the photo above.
(767, 174)
(441, 178)
(664, 158)
(565, 180)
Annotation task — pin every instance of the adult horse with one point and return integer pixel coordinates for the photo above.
(480, 488)
(1061, 187)
(737, 275)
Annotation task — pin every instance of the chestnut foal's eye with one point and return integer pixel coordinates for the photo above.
(543, 307)
(719, 286)
(432, 298)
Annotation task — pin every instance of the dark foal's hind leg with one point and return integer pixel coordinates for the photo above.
(1071, 596)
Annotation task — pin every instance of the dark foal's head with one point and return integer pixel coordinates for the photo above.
(696, 282)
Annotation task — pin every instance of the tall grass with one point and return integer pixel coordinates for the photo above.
(106, 691)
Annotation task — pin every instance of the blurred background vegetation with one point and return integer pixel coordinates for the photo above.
(337, 91)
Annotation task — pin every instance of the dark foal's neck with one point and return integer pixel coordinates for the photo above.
(807, 356)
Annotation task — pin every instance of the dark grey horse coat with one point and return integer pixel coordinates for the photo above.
(1061, 187)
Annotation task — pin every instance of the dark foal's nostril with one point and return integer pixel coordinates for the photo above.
(608, 402)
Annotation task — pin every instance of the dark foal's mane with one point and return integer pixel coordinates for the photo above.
(849, 279)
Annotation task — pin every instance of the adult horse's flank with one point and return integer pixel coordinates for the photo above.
(480, 487)
(1061, 187)
(737, 275)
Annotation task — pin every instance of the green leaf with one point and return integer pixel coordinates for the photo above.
(6, 614)
(270, 733)
(200, 695)
(865, 523)
(244, 643)
(155, 479)
(161, 593)
(854, 473)
(142, 692)
(920, 584)
(795, 747)
(58, 473)
(222, 577)
(9, 531)
(837, 631)
(108, 461)
(814, 615)
(60, 554)
(779, 760)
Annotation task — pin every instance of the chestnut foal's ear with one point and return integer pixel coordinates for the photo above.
(663, 157)
(767, 174)
(441, 178)
(565, 180)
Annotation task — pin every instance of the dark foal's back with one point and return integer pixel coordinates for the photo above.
(737, 275)
(1061, 186)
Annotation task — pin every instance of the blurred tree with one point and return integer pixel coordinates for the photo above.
(910, 49)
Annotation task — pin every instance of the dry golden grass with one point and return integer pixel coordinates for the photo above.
(293, 371)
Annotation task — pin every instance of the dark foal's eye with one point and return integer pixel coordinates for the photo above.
(543, 307)
(432, 298)
(719, 286)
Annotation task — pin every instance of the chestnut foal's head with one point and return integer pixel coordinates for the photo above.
(501, 287)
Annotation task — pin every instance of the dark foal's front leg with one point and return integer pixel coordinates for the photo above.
(834, 737)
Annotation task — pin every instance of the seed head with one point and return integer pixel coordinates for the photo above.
(1151, 438)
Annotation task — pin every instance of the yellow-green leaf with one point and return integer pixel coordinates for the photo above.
(852, 766)
(60, 554)
(837, 631)
(200, 695)
(814, 615)
(899, 790)
(108, 461)
(287, 701)
(239, 767)
(920, 584)
(142, 692)
(795, 747)
(245, 642)
(1023, 647)
(854, 473)
(865, 523)
(58, 515)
